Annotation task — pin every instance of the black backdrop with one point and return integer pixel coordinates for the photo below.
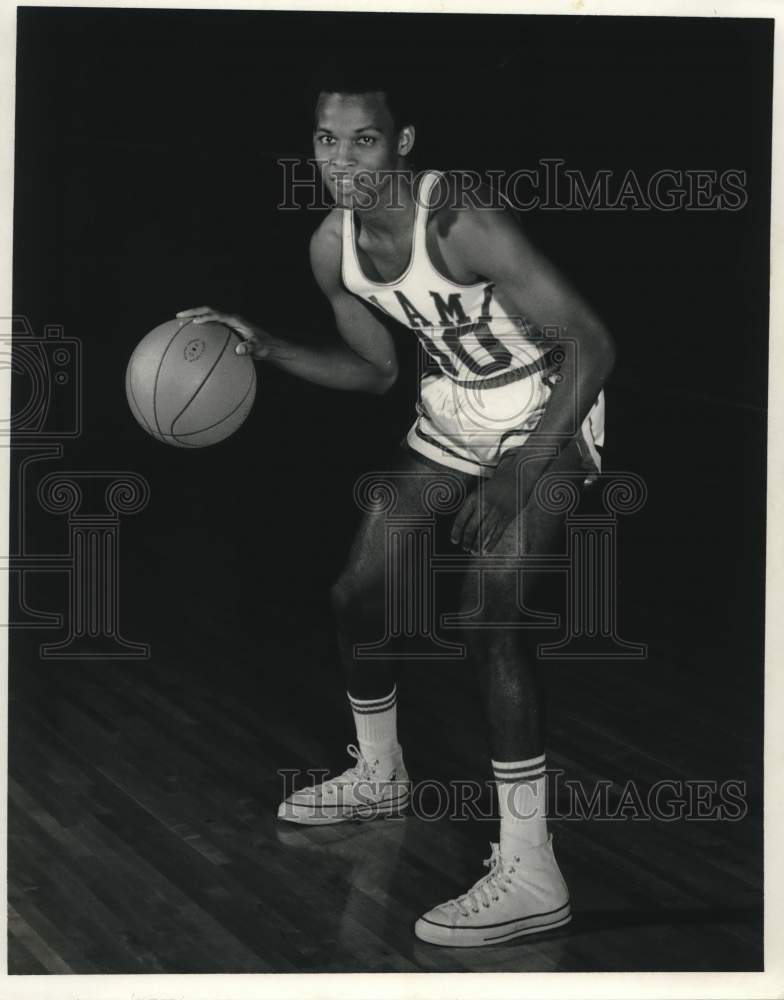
(146, 182)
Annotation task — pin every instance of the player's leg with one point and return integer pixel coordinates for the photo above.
(525, 892)
(359, 605)
(377, 784)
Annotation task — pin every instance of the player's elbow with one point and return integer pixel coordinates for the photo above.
(383, 382)
(601, 348)
(609, 351)
(384, 377)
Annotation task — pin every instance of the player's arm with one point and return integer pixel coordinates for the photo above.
(364, 359)
(367, 353)
(493, 245)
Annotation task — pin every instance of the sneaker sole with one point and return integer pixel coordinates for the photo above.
(470, 937)
(361, 813)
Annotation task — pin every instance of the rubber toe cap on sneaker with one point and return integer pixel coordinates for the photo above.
(296, 805)
(437, 926)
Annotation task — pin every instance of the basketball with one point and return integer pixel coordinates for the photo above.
(186, 385)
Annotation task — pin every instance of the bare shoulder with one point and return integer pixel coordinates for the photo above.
(471, 224)
(325, 250)
(463, 206)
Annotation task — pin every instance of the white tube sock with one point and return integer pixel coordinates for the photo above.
(376, 723)
(522, 803)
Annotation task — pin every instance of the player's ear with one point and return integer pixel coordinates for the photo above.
(405, 140)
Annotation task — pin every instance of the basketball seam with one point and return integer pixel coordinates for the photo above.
(203, 381)
(169, 438)
(217, 422)
(158, 372)
(141, 412)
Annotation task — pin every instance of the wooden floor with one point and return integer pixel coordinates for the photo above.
(143, 795)
(143, 835)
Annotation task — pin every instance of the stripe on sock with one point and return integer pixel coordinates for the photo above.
(376, 705)
(519, 770)
(517, 778)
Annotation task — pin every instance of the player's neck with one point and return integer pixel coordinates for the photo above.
(392, 211)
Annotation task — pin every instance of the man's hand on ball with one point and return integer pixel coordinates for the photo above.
(255, 342)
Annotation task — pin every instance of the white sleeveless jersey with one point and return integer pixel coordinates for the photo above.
(462, 327)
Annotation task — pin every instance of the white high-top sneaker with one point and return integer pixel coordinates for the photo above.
(522, 894)
(361, 792)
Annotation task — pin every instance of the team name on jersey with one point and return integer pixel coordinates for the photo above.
(449, 312)
(459, 343)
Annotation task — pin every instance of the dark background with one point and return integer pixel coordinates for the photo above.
(146, 182)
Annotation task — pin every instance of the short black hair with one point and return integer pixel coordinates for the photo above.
(351, 76)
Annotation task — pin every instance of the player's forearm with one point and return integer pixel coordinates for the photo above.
(583, 375)
(332, 365)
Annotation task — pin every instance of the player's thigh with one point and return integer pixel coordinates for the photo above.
(412, 487)
(539, 530)
(543, 523)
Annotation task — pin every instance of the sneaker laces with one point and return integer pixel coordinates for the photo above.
(363, 770)
(487, 889)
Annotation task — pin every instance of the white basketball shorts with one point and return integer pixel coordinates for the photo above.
(470, 427)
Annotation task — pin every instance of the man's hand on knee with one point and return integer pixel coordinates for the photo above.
(486, 514)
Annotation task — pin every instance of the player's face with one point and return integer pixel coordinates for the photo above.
(354, 133)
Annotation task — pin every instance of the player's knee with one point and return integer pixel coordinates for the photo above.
(495, 600)
(349, 595)
(340, 595)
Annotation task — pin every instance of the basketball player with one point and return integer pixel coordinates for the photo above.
(495, 417)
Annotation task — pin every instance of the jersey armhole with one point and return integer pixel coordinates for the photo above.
(439, 267)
